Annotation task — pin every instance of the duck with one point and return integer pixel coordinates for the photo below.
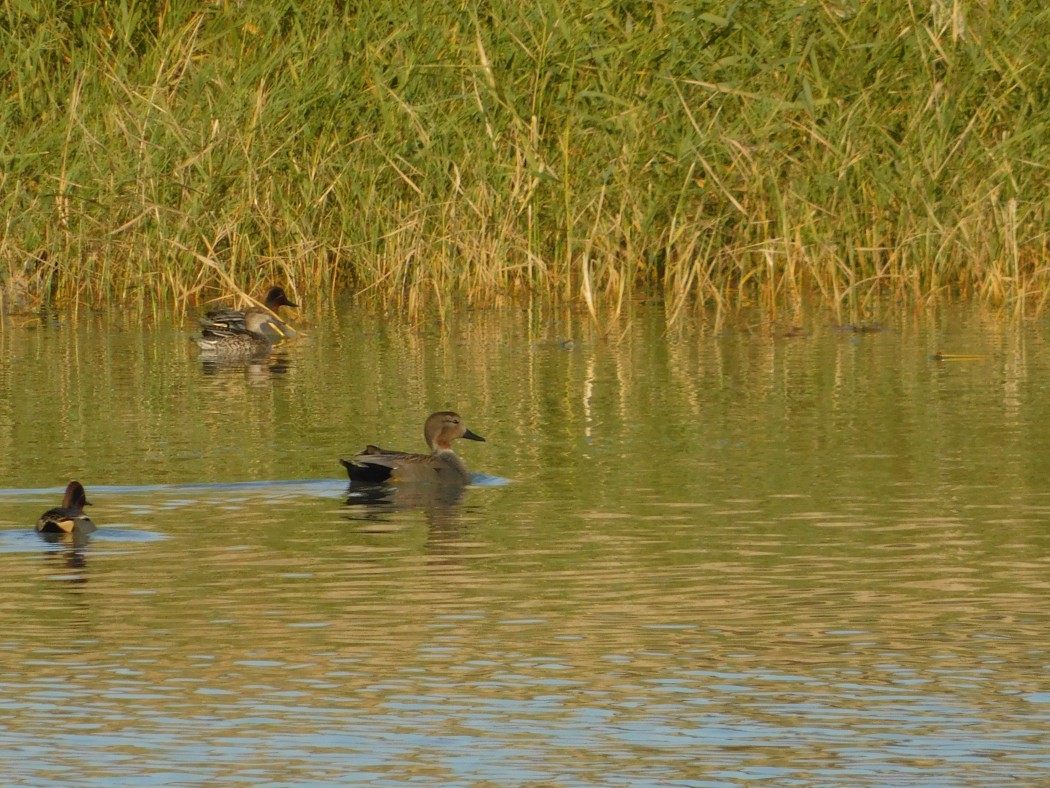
(376, 466)
(236, 319)
(230, 342)
(68, 517)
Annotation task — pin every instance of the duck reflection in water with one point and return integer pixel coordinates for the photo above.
(67, 573)
(70, 548)
(439, 503)
(256, 370)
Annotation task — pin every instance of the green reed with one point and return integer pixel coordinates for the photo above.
(708, 152)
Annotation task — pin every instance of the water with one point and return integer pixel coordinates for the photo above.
(693, 558)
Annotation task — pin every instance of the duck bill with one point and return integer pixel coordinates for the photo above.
(471, 436)
(285, 301)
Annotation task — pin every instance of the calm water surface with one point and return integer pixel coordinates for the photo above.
(720, 558)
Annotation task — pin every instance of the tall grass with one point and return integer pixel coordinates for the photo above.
(714, 152)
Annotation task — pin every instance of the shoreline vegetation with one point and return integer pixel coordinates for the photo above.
(448, 153)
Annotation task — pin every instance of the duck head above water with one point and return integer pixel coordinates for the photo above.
(75, 498)
(443, 427)
(276, 297)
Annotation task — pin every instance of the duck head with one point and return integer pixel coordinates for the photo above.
(276, 297)
(444, 427)
(75, 498)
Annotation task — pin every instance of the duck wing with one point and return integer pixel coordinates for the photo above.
(63, 521)
(375, 465)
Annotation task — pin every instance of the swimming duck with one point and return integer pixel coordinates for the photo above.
(235, 319)
(441, 465)
(229, 342)
(68, 517)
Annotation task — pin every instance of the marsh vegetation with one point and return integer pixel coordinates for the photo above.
(713, 153)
